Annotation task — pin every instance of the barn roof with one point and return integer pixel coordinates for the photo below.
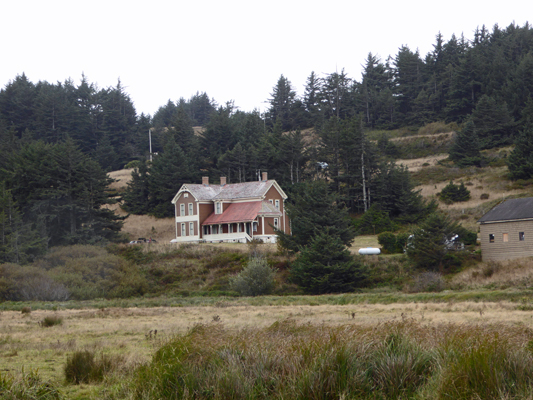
(513, 209)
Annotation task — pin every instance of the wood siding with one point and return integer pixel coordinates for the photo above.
(513, 248)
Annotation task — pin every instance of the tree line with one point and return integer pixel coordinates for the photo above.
(483, 84)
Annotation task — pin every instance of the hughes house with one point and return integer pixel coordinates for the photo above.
(506, 231)
(236, 212)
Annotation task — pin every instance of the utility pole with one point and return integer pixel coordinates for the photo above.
(150, 140)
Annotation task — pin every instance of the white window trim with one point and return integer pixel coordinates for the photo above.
(191, 228)
(182, 210)
(218, 207)
(183, 230)
(276, 223)
(191, 209)
(277, 204)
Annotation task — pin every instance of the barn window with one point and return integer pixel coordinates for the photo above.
(491, 237)
(505, 237)
(521, 236)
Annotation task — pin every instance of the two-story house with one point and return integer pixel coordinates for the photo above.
(237, 212)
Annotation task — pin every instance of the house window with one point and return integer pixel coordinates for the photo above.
(491, 237)
(271, 201)
(218, 209)
(276, 223)
(182, 209)
(277, 204)
(505, 237)
(190, 209)
(191, 228)
(183, 231)
(521, 236)
(255, 226)
(186, 195)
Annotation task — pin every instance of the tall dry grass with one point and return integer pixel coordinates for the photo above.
(396, 360)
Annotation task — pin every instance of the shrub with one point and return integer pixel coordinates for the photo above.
(427, 282)
(83, 367)
(257, 278)
(26, 310)
(53, 320)
(387, 240)
(452, 193)
(484, 196)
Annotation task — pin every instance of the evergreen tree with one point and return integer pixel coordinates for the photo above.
(281, 103)
(19, 243)
(137, 194)
(428, 247)
(313, 209)
(520, 161)
(465, 150)
(168, 172)
(493, 123)
(325, 265)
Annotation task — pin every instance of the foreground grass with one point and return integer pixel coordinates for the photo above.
(389, 361)
(247, 336)
(289, 360)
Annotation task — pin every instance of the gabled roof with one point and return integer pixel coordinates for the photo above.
(243, 212)
(513, 209)
(232, 191)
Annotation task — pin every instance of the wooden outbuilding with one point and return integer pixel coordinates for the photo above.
(506, 231)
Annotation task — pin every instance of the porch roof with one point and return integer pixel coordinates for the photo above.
(242, 212)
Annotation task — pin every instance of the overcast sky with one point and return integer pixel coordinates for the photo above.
(232, 50)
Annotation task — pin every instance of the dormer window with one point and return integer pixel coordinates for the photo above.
(218, 207)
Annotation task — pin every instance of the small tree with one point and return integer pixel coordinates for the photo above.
(452, 193)
(314, 209)
(257, 278)
(428, 246)
(326, 266)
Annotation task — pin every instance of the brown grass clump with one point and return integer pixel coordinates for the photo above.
(517, 273)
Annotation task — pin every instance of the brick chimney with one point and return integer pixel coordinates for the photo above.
(205, 180)
(264, 176)
(222, 181)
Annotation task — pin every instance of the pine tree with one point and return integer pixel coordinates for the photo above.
(312, 210)
(325, 265)
(520, 161)
(465, 150)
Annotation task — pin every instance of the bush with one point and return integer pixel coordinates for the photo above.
(427, 282)
(387, 240)
(53, 320)
(452, 193)
(257, 278)
(391, 243)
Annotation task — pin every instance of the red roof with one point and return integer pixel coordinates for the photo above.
(236, 212)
